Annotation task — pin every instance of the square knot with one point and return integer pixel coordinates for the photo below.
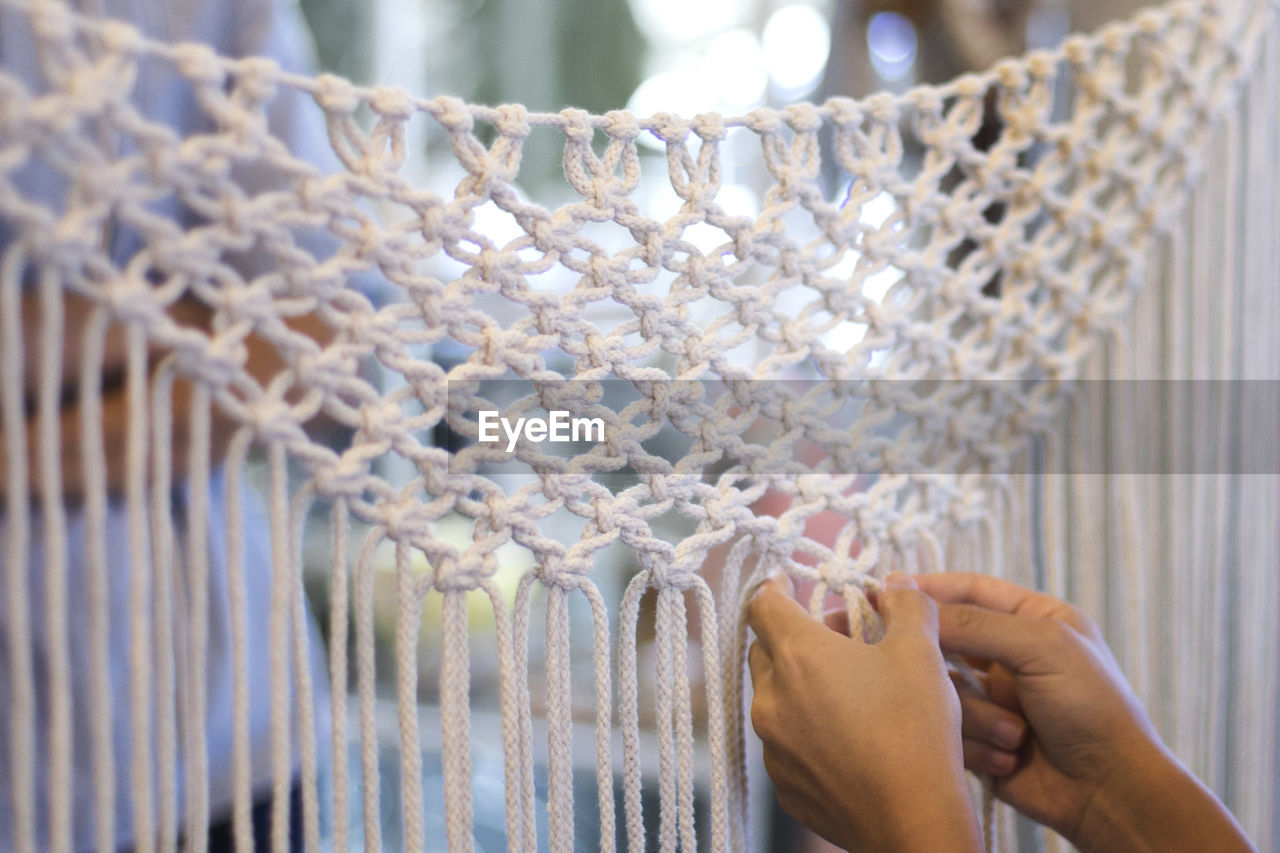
(121, 39)
(273, 421)
(1012, 74)
(883, 108)
(392, 102)
(576, 126)
(345, 477)
(844, 576)
(845, 112)
(669, 128)
(132, 303)
(199, 64)
(709, 127)
(926, 102)
(403, 522)
(461, 573)
(622, 125)
(335, 95)
(452, 114)
(969, 86)
(512, 121)
(382, 421)
(209, 364)
(257, 78)
(764, 122)
(680, 574)
(803, 118)
(50, 21)
(561, 571)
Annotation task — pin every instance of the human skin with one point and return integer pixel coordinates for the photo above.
(1092, 766)
(1053, 722)
(888, 778)
(263, 361)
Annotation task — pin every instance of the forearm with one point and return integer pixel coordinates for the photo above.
(1156, 805)
(945, 823)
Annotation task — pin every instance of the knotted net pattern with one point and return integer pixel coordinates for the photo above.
(1011, 260)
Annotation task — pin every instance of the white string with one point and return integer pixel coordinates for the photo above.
(53, 523)
(408, 603)
(559, 723)
(684, 717)
(162, 566)
(241, 767)
(196, 748)
(17, 621)
(604, 715)
(304, 690)
(629, 709)
(455, 718)
(339, 616)
(278, 631)
(93, 465)
(528, 830)
(513, 758)
(141, 664)
(365, 688)
(1089, 188)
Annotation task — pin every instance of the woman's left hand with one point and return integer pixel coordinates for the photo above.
(862, 741)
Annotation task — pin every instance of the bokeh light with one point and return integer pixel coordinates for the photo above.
(797, 42)
(891, 40)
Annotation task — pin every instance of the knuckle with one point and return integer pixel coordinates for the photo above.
(1058, 635)
(763, 717)
(1080, 620)
(786, 655)
(965, 617)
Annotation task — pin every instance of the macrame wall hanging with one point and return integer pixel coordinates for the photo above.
(580, 611)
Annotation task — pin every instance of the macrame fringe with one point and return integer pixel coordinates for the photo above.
(1177, 566)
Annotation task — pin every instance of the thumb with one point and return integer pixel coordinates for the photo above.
(905, 609)
(773, 614)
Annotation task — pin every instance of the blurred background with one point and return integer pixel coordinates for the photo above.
(648, 56)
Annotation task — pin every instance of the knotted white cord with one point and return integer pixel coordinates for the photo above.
(1091, 186)
(55, 566)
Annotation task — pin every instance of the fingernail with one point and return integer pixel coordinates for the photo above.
(779, 578)
(1007, 733)
(899, 580)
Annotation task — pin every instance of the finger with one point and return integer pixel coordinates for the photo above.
(759, 662)
(1002, 689)
(982, 719)
(982, 590)
(904, 609)
(982, 757)
(1016, 642)
(1000, 595)
(772, 613)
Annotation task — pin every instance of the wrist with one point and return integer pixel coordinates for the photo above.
(943, 820)
(1153, 803)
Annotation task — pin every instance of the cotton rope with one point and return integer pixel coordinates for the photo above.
(1122, 226)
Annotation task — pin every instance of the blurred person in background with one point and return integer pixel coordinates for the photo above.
(233, 28)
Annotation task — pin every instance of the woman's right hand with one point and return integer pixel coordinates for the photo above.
(1090, 764)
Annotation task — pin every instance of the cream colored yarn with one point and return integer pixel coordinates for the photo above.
(1136, 237)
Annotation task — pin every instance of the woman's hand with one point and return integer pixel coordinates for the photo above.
(862, 741)
(1092, 766)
